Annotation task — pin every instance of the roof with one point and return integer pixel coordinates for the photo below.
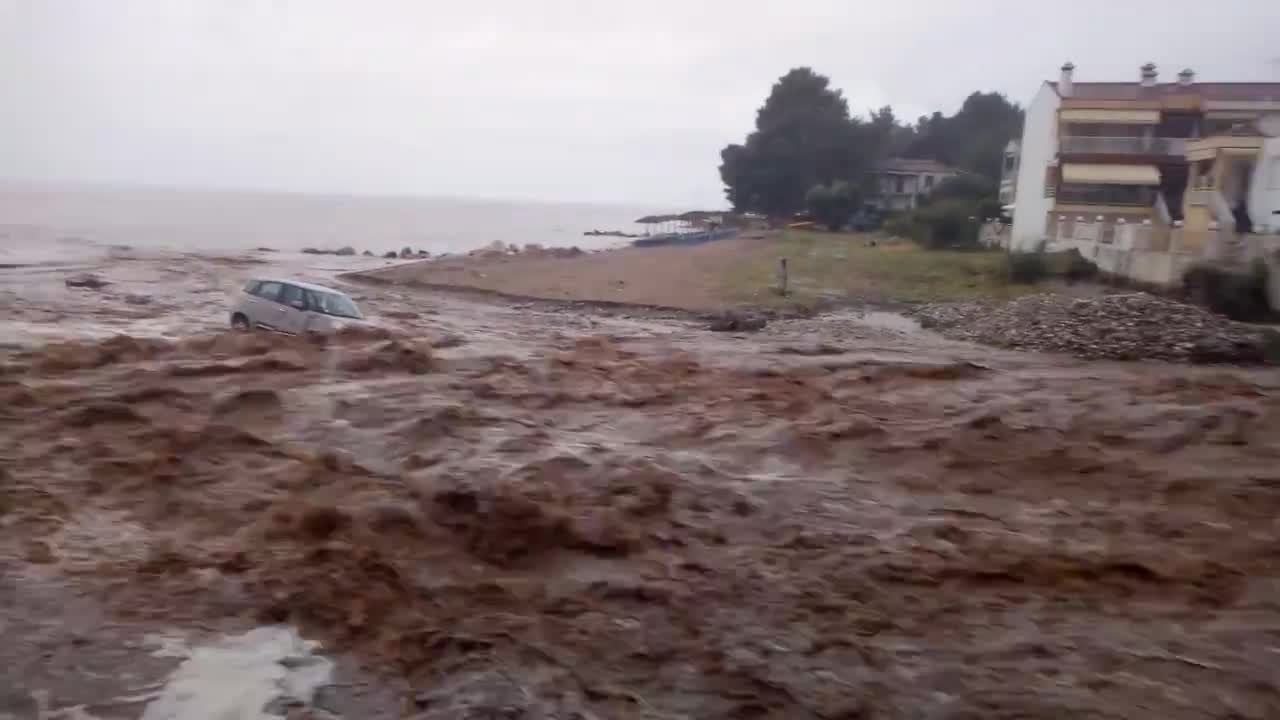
(1136, 91)
(299, 283)
(914, 165)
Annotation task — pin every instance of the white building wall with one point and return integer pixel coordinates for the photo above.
(1264, 189)
(1039, 146)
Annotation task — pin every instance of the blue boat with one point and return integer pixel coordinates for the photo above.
(686, 238)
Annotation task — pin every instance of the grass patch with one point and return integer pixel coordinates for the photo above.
(839, 266)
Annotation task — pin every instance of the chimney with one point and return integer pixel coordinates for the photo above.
(1149, 75)
(1064, 82)
(1186, 77)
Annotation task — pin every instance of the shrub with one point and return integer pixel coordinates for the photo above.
(1026, 268)
(948, 224)
(1240, 295)
(1078, 268)
(904, 226)
(831, 204)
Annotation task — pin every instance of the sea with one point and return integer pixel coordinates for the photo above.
(39, 223)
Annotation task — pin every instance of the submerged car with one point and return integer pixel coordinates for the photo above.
(289, 306)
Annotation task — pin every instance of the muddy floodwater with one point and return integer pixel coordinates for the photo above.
(525, 510)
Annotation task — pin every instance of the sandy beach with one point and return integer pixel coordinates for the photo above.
(688, 278)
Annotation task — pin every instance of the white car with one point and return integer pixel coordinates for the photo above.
(289, 306)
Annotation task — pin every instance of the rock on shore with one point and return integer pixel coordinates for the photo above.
(1133, 326)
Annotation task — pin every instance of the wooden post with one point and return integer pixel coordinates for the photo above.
(782, 276)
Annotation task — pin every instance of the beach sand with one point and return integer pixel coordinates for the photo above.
(684, 277)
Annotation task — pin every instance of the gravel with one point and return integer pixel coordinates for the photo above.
(1133, 326)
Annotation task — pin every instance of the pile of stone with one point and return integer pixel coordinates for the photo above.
(1134, 326)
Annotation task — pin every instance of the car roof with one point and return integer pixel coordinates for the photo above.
(299, 283)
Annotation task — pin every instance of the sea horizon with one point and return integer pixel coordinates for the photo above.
(35, 215)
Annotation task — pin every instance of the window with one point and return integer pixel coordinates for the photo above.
(332, 304)
(928, 182)
(899, 184)
(269, 291)
(1008, 163)
(292, 295)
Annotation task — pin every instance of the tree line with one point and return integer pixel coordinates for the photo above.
(808, 151)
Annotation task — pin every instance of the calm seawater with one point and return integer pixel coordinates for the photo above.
(36, 222)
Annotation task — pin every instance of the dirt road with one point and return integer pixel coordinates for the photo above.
(511, 510)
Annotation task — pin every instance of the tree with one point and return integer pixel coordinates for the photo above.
(974, 138)
(804, 137)
(963, 187)
(831, 204)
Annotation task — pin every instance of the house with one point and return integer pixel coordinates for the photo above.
(1180, 154)
(903, 181)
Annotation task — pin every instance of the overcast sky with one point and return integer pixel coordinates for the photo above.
(593, 100)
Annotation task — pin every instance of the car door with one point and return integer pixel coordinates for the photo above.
(291, 309)
(263, 304)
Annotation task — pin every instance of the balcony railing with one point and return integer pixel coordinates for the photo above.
(1157, 146)
(1106, 195)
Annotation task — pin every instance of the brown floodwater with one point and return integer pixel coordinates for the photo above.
(521, 510)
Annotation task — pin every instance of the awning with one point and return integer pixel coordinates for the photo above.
(1122, 117)
(1099, 174)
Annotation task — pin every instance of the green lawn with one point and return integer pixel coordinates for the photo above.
(845, 266)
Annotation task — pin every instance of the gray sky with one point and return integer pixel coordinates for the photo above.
(592, 100)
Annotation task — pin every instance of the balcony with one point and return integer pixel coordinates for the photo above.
(1211, 147)
(1106, 195)
(1146, 146)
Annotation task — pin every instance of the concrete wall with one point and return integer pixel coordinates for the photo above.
(1039, 147)
(1264, 194)
(1155, 255)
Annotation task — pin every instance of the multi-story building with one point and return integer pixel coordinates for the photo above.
(1184, 153)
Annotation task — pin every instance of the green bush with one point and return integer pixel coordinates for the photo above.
(831, 205)
(904, 226)
(948, 224)
(1026, 268)
(1240, 295)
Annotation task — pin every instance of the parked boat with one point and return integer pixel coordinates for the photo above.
(686, 238)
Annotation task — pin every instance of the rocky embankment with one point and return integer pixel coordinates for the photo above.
(1133, 326)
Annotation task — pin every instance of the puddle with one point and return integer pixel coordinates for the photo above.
(246, 677)
(889, 321)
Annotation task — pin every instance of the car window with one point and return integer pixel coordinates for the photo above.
(269, 291)
(332, 304)
(251, 287)
(291, 295)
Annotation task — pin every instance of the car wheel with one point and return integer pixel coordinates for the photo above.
(239, 322)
